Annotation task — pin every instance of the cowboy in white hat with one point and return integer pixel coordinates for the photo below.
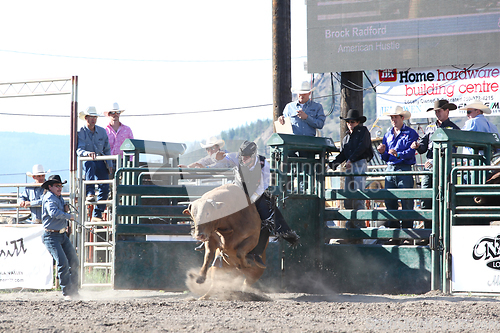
(216, 157)
(396, 150)
(305, 115)
(32, 196)
(476, 120)
(92, 142)
(117, 131)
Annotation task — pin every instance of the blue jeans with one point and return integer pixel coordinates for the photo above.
(399, 182)
(63, 252)
(353, 183)
(96, 170)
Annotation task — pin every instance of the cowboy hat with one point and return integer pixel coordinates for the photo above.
(304, 88)
(212, 141)
(37, 170)
(54, 179)
(398, 111)
(477, 104)
(443, 104)
(116, 108)
(91, 111)
(353, 114)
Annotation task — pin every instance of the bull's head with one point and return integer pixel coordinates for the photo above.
(204, 213)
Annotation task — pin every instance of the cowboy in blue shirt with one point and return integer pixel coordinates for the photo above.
(56, 240)
(93, 141)
(396, 150)
(477, 121)
(305, 115)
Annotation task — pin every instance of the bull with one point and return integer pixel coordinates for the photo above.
(229, 225)
(489, 200)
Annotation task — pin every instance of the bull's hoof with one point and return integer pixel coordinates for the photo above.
(201, 279)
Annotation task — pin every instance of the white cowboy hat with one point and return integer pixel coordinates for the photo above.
(304, 88)
(477, 104)
(37, 170)
(116, 108)
(212, 141)
(398, 111)
(91, 111)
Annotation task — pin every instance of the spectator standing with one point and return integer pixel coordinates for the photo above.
(32, 196)
(92, 142)
(117, 132)
(305, 115)
(425, 145)
(55, 216)
(356, 151)
(477, 122)
(396, 150)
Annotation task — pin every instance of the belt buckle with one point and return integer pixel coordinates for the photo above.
(62, 231)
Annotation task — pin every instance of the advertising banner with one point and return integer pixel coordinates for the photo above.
(24, 259)
(475, 258)
(417, 89)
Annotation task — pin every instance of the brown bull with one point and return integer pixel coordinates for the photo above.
(230, 228)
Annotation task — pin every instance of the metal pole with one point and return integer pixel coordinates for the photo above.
(281, 57)
(351, 96)
(72, 150)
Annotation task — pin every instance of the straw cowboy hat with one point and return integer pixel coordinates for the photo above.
(477, 104)
(91, 111)
(212, 141)
(37, 170)
(304, 88)
(54, 179)
(398, 111)
(442, 104)
(116, 108)
(353, 114)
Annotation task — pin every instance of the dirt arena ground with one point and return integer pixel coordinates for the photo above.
(156, 311)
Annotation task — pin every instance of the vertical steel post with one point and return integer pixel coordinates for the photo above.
(281, 56)
(351, 96)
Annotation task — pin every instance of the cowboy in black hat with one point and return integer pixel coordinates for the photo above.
(54, 217)
(424, 145)
(356, 151)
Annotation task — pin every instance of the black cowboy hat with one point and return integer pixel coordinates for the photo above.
(443, 104)
(54, 179)
(353, 114)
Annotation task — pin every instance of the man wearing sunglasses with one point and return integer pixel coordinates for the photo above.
(477, 122)
(356, 151)
(424, 145)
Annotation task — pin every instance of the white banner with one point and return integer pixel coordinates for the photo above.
(475, 258)
(24, 259)
(417, 89)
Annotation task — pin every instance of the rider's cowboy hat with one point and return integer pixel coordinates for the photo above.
(443, 104)
(91, 111)
(116, 108)
(37, 170)
(54, 179)
(398, 111)
(477, 104)
(353, 114)
(212, 141)
(304, 88)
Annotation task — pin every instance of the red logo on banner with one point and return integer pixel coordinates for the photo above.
(387, 75)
